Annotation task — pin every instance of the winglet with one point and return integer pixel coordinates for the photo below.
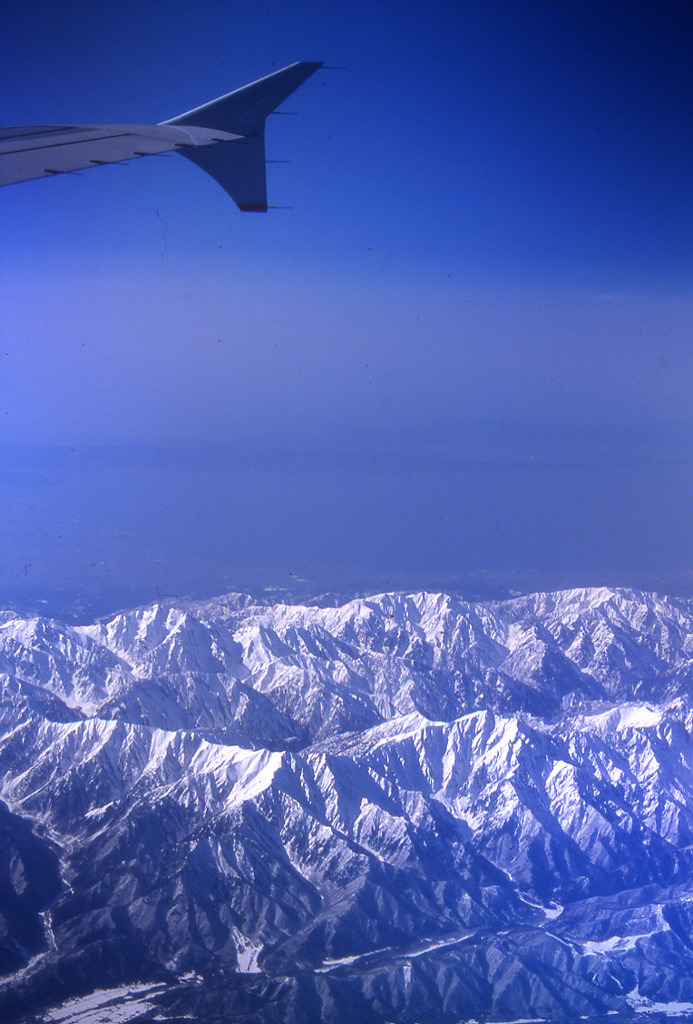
(239, 165)
(244, 110)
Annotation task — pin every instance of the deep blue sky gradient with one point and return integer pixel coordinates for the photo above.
(491, 245)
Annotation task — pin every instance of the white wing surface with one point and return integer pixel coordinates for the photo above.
(226, 138)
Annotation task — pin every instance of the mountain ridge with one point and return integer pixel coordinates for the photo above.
(403, 805)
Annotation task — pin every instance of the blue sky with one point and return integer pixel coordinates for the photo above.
(488, 259)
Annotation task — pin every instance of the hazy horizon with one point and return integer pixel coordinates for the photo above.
(89, 529)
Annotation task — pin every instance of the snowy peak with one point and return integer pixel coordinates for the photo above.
(313, 672)
(288, 809)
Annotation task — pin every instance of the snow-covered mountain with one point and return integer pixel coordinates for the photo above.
(403, 808)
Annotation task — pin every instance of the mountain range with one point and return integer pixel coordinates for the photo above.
(406, 807)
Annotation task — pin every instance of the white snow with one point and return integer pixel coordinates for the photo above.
(420, 949)
(642, 717)
(614, 944)
(415, 743)
(106, 1006)
(643, 1005)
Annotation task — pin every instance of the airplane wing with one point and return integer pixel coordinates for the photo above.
(226, 138)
